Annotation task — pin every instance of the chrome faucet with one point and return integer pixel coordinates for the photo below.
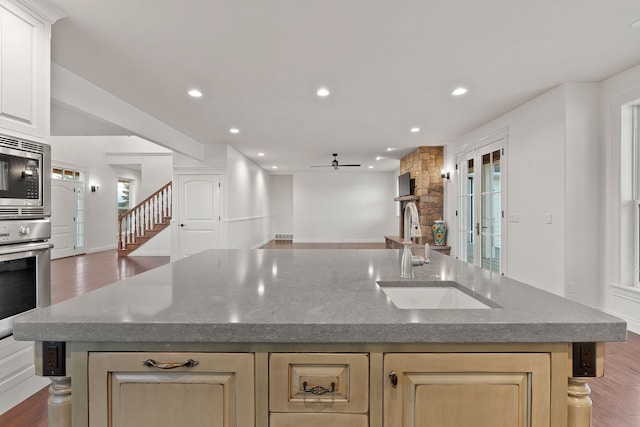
(411, 229)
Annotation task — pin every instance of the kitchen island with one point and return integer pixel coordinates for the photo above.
(311, 337)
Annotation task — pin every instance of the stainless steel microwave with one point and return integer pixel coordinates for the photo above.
(25, 179)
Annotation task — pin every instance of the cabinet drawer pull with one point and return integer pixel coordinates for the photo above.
(189, 363)
(318, 390)
(394, 378)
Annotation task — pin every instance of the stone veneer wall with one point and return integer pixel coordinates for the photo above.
(424, 165)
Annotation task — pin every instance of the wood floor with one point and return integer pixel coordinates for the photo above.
(70, 277)
(616, 397)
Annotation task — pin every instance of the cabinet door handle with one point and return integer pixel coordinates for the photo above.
(319, 390)
(394, 378)
(189, 363)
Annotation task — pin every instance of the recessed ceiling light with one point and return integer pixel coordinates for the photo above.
(195, 93)
(389, 149)
(234, 130)
(370, 167)
(459, 91)
(379, 158)
(414, 130)
(635, 24)
(261, 154)
(274, 167)
(323, 91)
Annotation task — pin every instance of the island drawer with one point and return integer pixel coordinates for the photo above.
(313, 382)
(318, 420)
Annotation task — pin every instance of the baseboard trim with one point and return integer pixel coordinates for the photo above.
(102, 248)
(261, 244)
(295, 240)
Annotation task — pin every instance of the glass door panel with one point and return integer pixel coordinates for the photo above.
(467, 213)
(491, 210)
(480, 206)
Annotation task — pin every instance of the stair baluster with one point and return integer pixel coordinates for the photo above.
(139, 224)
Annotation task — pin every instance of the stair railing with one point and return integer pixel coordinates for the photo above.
(138, 221)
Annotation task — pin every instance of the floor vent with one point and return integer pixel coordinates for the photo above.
(284, 237)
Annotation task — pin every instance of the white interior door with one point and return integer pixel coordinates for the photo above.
(64, 214)
(198, 213)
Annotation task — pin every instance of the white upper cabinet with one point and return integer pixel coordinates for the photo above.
(25, 57)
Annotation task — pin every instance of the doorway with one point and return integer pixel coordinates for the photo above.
(481, 198)
(67, 213)
(199, 216)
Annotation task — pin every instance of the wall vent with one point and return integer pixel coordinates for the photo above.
(284, 237)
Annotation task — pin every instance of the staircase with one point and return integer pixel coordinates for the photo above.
(138, 225)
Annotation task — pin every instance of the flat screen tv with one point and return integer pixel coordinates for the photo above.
(404, 184)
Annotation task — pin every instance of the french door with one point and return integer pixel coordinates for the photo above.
(480, 206)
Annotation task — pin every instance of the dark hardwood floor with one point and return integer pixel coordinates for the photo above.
(70, 277)
(616, 397)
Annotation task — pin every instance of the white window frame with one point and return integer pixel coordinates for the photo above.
(635, 141)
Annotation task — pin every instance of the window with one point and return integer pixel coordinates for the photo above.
(66, 174)
(124, 196)
(628, 213)
(636, 190)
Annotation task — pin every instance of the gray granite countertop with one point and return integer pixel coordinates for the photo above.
(310, 296)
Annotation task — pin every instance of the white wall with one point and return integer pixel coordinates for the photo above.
(281, 202)
(583, 172)
(535, 157)
(246, 207)
(92, 155)
(344, 206)
(620, 298)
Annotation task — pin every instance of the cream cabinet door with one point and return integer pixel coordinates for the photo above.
(23, 50)
(171, 389)
(459, 390)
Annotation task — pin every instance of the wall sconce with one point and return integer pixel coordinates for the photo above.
(94, 188)
(444, 175)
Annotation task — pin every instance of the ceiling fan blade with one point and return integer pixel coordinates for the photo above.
(341, 165)
(324, 166)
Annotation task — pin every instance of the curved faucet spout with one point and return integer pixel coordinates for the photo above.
(411, 229)
(411, 222)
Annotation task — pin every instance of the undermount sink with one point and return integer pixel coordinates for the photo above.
(433, 294)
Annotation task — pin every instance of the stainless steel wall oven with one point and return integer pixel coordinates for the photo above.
(25, 269)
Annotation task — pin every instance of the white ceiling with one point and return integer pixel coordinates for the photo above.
(390, 65)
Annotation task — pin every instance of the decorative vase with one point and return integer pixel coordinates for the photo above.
(439, 232)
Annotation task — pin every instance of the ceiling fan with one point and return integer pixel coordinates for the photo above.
(334, 164)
